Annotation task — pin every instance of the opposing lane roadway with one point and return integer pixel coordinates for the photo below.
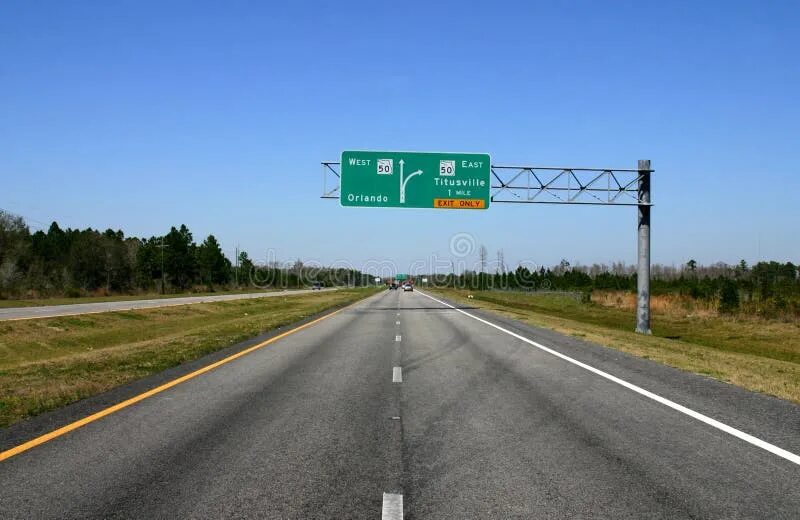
(481, 426)
(51, 311)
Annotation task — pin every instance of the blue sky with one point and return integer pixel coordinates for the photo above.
(142, 115)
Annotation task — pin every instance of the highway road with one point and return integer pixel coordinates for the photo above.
(51, 311)
(404, 407)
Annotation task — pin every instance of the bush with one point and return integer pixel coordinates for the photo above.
(729, 297)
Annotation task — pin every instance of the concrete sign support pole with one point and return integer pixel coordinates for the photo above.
(643, 271)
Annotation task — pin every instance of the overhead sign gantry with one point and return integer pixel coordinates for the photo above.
(470, 181)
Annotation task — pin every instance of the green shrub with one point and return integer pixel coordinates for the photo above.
(729, 297)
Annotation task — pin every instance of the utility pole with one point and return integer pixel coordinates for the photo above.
(163, 278)
(643, 271)
(236, 271)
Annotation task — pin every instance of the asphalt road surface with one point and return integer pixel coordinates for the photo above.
(403, 406)
(50, 311)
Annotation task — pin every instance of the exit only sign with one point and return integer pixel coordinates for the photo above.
(415, 180)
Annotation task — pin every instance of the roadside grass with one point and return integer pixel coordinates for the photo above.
(673, 304)
(48, 363)
(43, 302)
(756, 354)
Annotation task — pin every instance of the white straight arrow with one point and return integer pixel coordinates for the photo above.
(402, 184)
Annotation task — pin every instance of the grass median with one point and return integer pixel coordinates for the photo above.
(48, 363)
(756, 354)
(44, 302)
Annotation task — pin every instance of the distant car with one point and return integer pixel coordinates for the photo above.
(392, 286)
(317, 286)
(408, 287)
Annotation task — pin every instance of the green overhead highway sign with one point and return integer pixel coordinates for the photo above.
(415, 180)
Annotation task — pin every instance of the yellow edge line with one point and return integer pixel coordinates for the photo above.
(133, 400)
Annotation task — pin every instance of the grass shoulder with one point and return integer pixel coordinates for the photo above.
(756, 354)
(48, 363)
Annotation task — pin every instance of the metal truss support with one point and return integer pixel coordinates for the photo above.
(547, 185)
(580, 186)
(330, 180)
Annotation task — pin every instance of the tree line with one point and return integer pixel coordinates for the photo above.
(75, 262)
(767, 288)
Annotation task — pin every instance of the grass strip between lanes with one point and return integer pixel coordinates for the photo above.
(48, 363)
(753, 354)
(46, 302)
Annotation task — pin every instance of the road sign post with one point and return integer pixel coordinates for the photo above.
(415, 180)
(643, 269)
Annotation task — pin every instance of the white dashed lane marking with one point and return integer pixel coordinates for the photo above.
(392, 507)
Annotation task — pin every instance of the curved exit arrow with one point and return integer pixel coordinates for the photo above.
(404, 181)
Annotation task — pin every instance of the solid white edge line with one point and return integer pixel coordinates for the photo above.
(392, 507)
(755, 441)
(397, 375)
